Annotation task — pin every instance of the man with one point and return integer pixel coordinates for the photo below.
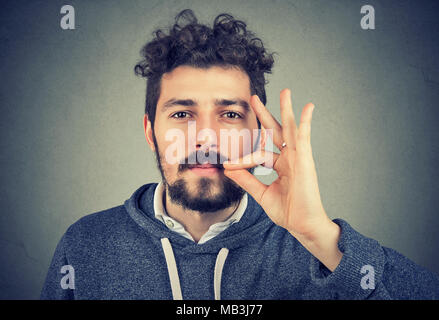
(210, 229)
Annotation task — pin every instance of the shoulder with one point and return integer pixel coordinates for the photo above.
(102, 224)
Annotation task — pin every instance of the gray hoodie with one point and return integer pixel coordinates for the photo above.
(126, 253)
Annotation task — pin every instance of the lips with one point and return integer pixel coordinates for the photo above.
(205, 170)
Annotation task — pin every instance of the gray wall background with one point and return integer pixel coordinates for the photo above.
(72, 139)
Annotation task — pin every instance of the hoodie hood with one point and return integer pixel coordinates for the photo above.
(254, 223)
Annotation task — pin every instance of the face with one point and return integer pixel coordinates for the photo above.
(200, 115)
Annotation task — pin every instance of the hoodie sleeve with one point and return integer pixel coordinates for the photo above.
(52, 288)
(369, 271)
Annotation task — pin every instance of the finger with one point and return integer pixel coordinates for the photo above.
(267, 119)
(248, 182)
(289, 128)
(304, 131)
(261, 157)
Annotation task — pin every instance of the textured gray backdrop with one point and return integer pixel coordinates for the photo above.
(72, 140)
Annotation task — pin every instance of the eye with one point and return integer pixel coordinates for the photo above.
(180, 115)
(232, 115)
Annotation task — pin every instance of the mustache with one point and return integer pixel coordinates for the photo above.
(199, 157)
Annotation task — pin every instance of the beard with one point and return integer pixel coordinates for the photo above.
(203, 199)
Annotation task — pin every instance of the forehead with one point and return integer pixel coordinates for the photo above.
(204, 84)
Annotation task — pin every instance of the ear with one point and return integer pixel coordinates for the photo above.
(147, 127)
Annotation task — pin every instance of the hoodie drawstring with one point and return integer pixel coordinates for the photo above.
(220, 260)
(173, 271)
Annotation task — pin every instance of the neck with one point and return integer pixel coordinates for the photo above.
(195, 222)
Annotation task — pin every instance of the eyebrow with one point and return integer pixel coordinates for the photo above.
(218, 102)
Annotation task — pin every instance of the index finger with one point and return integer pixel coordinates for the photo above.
(267, 120)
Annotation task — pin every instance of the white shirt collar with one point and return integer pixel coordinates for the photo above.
(174, 225)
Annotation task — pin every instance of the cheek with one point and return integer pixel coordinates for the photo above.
(170, 171)
(171, 147)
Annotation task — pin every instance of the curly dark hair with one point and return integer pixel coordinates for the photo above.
(227, 44)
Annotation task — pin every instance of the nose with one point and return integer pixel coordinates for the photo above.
(206, 139)
(206, 134)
